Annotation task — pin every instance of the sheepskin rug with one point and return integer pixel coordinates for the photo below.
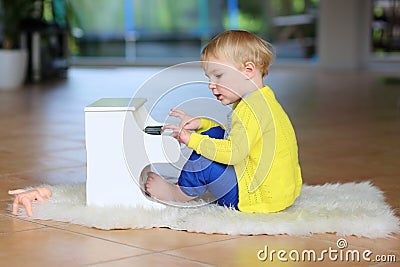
(345, 209)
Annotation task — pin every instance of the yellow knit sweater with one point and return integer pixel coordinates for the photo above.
(262, 147)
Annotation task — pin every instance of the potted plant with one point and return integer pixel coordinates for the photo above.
(13, 59)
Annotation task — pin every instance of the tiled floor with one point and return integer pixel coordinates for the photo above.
(348, 127)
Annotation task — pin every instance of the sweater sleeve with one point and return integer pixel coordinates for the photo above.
(245, 131)
(207, 124)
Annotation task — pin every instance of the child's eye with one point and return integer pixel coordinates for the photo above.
(218, 76)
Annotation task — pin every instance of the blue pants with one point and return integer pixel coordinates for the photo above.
(200, 174)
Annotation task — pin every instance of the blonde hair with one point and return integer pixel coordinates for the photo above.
(240, 47)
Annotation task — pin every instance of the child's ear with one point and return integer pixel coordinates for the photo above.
(249, 69)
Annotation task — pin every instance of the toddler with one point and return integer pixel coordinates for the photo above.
(251, 163)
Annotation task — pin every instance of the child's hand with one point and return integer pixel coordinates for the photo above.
(187, 122)
(179, 133)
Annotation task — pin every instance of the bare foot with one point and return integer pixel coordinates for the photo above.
(161, 189)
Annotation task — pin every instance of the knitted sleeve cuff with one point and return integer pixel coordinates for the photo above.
(194, 141)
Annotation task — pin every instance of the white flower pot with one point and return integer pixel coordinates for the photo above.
(13, 67)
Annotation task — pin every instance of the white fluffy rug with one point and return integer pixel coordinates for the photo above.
(345, 209)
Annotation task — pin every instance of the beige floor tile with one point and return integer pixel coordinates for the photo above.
(66, 175)
(11, 224)
(154, 260)
(251, 251)
(150, 239)
(50, 223)
(5, 205)
(78, 155)
(392, 264)
(38, 143)
(392, 197)
(53, 247)
(29, 164)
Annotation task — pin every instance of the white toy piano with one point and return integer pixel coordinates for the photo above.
(120, 153)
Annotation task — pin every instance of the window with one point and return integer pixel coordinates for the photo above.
(386, 28)
(157, 30)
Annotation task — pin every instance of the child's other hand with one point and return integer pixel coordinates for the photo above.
(187, 122)
(179, 133)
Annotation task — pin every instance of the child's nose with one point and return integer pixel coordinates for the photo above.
(211, 85)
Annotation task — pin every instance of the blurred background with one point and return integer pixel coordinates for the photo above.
(340, 34)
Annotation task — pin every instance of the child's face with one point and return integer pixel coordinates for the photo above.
(227, 82)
